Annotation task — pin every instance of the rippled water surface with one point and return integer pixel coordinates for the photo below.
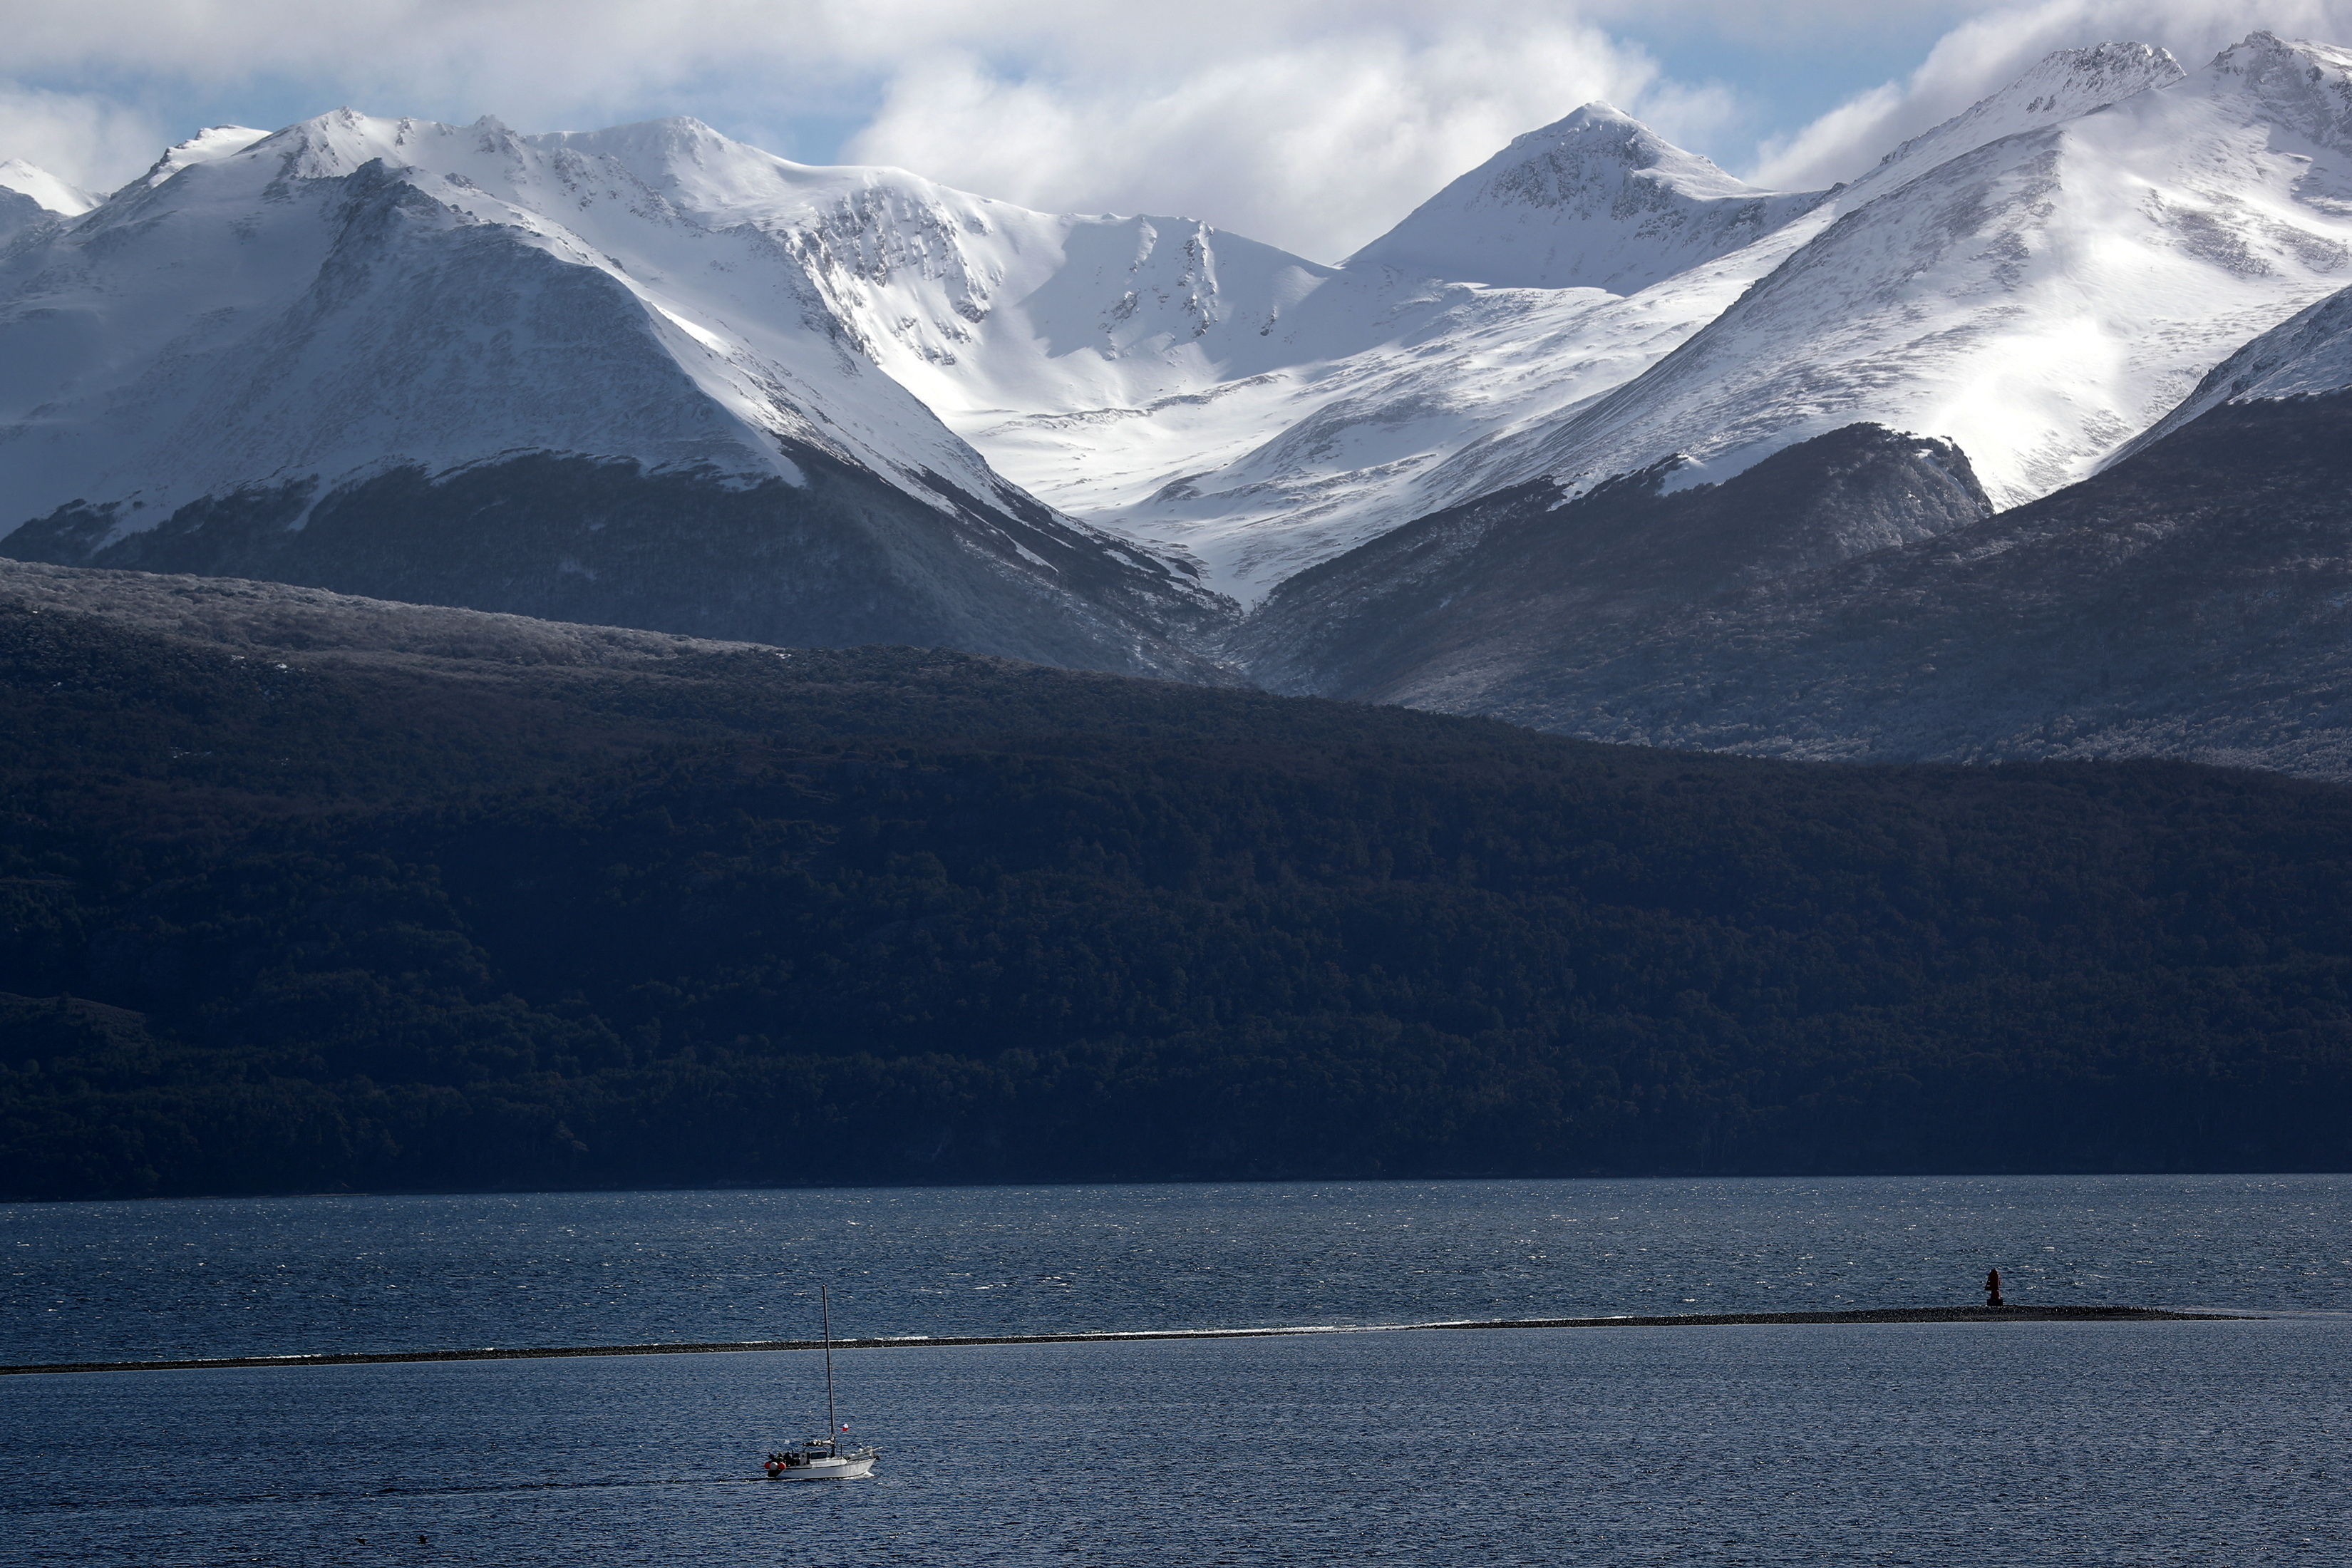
(111, 1281)
(2220, 1443)
(2210, 1442)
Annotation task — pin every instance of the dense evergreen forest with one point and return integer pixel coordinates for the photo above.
(286, 924)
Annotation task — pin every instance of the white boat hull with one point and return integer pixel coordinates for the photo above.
(824, 1470)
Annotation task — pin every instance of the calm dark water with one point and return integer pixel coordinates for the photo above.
(2214, 1443)
(110, 1282)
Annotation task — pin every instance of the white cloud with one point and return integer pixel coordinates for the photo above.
(1310, 124)
(1316, 144)
(84, 139)
(1987, 52)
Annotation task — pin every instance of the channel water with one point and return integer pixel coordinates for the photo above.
(2160, 1442)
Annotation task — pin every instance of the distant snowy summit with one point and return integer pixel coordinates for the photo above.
(210, 143)
(1596, 201)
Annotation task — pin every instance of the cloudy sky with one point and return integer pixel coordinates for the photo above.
(1311, 124)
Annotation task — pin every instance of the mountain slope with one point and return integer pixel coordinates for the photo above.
(1492, 607)
(2189, 600)
(2308, 354)
(339, 350)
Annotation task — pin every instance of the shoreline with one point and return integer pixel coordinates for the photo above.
(1682, 1319)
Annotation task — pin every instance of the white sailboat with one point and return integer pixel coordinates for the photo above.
(824, 1458)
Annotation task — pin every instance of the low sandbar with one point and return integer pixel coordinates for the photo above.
(1969, 1314)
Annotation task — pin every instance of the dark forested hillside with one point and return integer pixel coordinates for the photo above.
(480, 909)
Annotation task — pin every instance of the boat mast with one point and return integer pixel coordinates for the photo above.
(832, 1421)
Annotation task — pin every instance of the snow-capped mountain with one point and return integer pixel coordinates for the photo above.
(1392, 396)
(236, 287)
(2192, 599)
(1276, 449)
(2022, 308)
(360, 318)
(654, 376)
(1597, 201)
(2038, 299)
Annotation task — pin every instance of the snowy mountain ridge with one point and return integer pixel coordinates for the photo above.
(2058, 86)
(2038, 299)
(214, 141)
(32, 198)
(235, 372)
(2035, 281)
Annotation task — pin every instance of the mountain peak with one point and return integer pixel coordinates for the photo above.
(44, 188)
(2263, 51)
(1575, 153)
(2304, 86)
(209, 145)
(1596, 199)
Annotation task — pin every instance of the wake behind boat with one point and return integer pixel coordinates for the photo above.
(824, 1458)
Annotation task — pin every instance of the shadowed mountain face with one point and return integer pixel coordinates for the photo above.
(841, 560)
(1486, 607)
(2194, 600)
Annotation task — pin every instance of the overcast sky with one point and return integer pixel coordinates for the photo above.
(1313, 124)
